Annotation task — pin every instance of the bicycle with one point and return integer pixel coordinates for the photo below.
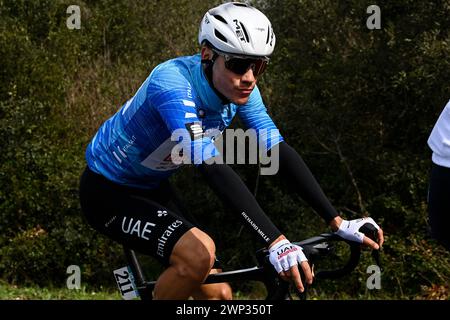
(132, 283)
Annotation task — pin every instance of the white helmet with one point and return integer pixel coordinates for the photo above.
(237, 28)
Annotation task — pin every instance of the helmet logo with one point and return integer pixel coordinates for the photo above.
(206, 20)
(238, 31)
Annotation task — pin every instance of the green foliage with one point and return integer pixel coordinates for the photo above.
(357, 104)
(14, 292)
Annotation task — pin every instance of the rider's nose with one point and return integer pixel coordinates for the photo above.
(248, 76)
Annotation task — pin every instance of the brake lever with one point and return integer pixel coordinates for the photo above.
(371, 232)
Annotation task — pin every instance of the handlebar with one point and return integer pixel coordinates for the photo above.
(313, 248)
(321, 246)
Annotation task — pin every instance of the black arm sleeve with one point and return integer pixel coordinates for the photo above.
(235, 194)
(300, 179)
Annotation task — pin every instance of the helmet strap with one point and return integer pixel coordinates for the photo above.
(208, 69)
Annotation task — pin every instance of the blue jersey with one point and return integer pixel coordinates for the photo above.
(134, 146)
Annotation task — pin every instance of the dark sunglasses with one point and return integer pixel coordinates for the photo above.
(240, 65)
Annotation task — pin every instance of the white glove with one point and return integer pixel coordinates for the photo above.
(349, 229)
(284, 255)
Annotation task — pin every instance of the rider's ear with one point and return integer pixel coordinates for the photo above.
(207, 53)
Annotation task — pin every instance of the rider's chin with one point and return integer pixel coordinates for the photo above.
(241, 101)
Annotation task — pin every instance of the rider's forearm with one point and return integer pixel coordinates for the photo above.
(235, 194)
(303, 182)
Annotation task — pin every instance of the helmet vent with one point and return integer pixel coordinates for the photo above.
(245, 31)
(220, 36)
(220, 18)
(268, 34)
(238, 4)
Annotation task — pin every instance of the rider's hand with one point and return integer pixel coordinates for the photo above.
(349, 230)
(285, 257)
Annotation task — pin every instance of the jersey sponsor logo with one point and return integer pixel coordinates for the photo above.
(124, 149)
(189, 103)
(169, 157)
(117, 157)
(110, 221)
(129, 143)
(162, 240)
(121, 152)
(188, 115)
(161, 213)
(195, 130)
(160, 159)
(137, 227)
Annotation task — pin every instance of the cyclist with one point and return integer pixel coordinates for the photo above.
(438, 199)
(125, 193)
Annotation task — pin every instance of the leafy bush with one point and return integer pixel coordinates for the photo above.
(357, 104)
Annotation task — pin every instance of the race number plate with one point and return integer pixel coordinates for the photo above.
(125, 282)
